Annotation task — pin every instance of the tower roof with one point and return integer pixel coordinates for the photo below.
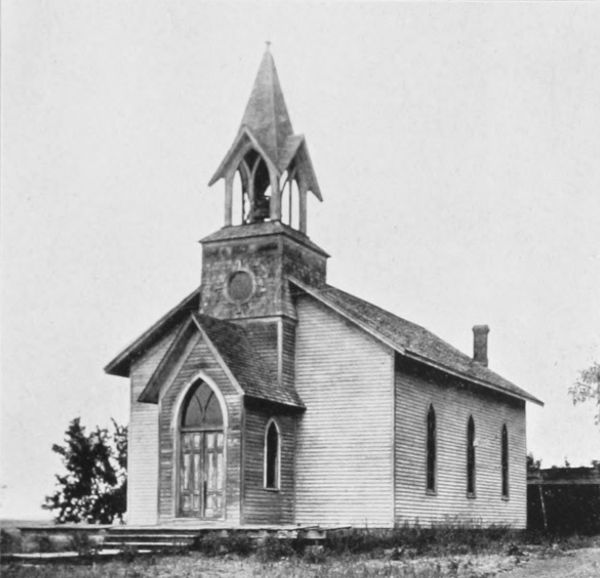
(266, 114)
(266, 125)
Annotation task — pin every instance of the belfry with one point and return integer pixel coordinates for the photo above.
(272, 162)
(267, 174)
(269, 397)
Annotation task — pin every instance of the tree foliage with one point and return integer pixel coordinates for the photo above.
(587, 388)
(94, 488)
(533, 465)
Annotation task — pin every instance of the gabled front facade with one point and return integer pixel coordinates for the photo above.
(268, 397)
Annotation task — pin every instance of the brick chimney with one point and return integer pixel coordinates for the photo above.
(480, 336)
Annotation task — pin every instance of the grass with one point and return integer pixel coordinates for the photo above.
(407, 552)
(195, 565)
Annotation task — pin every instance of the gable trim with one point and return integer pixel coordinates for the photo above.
(151, 393)
(233, 153)
(314, 185)
(120, 365)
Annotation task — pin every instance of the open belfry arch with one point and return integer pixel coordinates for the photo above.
(269, 159)
(269, 397)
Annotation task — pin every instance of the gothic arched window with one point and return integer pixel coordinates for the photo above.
(201, 409)
(504, 461)
(201, 456)
(272, 455)
(256, 188)
(431, 449)
(471, 457)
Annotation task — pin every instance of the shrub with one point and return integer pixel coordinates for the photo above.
(354, 541)
(215, 543)
(273, 549)
(83, 544)
(314, 554)
(10, 541)
(408, 540)
(45, 544)
(239, 543)
(209, 543)
(128, 553)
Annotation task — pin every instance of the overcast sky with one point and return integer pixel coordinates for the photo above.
(457, 147)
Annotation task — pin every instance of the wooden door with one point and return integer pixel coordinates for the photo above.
(213, 475)
(201, 475)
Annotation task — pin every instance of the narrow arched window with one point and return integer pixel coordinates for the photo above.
(272, 451)
(504, 459)
(471, 457)
(431, 449)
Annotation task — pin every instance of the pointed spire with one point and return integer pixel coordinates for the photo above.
(266, 129)
(266, 114)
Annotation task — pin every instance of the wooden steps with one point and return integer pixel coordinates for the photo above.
(112, 540)
(150, 539)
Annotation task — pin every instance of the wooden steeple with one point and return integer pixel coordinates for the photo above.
(269, 158)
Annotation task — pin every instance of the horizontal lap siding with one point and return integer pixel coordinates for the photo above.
(262, 506)
(200, 357)
(453, 405)
(142, 460)
(344, 461)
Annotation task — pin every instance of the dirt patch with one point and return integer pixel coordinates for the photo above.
(542, 562)
(583, 563)
(195, 565)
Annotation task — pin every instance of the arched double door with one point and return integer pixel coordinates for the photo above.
(201, 464)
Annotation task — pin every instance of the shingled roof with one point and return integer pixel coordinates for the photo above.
(266, 113)
(250, 371)
(231, 343)
(412, 340)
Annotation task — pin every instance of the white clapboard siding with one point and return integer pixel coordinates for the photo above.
(344, 461)
(263, 506)
(142, 460)
(453, 405)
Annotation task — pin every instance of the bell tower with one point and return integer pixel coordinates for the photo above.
(268, 175)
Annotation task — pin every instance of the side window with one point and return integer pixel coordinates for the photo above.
(272, 458)
(471, 457)
(504, 458)
(431, 449)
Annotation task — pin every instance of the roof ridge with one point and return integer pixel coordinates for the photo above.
(424, 346)
(404, 320)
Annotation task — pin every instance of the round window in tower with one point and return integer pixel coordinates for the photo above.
(240, 286)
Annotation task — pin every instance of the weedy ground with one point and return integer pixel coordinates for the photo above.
(404, 552)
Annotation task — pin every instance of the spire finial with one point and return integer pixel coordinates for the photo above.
(268, 45)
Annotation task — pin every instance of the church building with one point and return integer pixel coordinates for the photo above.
(269, 397)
